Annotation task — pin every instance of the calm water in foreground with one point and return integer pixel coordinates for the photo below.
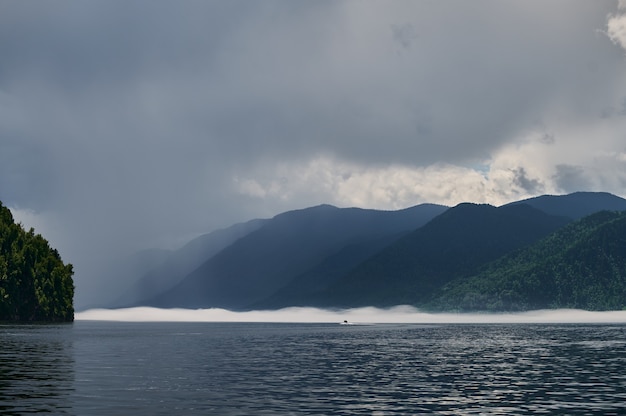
(106, 368)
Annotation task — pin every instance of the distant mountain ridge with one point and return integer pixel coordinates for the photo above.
(576, 205)
(342, 257)
(262, 262)
(450, 246)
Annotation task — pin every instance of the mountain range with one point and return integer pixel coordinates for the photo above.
(429, 256)
(290, 244)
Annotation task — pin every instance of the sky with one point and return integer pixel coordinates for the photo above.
(130, 124)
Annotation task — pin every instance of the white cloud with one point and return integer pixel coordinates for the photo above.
(616, 26)
(567, 156)
(326, 179)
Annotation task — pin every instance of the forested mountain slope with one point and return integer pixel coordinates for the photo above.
(580, 266)
(35, 284)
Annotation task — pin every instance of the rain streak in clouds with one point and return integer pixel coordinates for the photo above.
(134, 124)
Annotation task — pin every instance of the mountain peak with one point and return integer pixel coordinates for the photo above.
(575, 205)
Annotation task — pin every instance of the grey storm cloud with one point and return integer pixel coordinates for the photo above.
(571, 178)
(308, 77)
(130, 120)
(530, 185)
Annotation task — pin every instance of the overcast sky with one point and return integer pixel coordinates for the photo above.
(131, 124)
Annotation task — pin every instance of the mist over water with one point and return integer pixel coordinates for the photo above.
(367, 315)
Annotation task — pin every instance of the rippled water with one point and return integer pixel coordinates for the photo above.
(104, 368)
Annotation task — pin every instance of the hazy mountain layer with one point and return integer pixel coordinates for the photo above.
(177, 265)
(259, 264)
(304, 289)
(327, 256)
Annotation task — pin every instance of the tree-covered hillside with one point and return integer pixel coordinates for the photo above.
(35, 285)
(454, 244)
(580, 266)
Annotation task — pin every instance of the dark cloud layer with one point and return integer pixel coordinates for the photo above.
(128, 123)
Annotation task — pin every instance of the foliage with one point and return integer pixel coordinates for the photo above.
(35, 284)
(582, 265)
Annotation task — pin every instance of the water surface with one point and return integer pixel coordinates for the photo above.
(104, 368)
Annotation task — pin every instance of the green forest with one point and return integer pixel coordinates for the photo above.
(35, 284)
(582, 265)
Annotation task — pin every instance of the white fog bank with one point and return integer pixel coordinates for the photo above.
(399, 314)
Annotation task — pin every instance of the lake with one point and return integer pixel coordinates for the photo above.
(109, 368)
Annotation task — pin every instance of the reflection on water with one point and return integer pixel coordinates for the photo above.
(36, 369)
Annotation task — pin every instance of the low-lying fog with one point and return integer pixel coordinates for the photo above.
(400, 314)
